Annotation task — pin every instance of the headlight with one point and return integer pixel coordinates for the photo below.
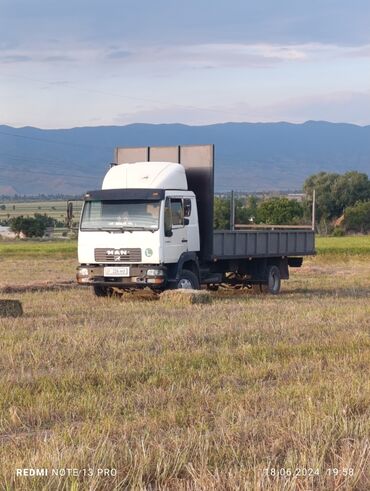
(82, 275)
(154, 272)
(82, 272)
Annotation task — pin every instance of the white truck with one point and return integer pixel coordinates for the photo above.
(151, 225)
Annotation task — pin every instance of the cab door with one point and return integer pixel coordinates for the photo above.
(175, 234)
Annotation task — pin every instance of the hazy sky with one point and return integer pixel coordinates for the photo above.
(94, 62)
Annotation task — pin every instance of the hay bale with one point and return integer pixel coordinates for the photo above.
(184, 296)
(10, 308)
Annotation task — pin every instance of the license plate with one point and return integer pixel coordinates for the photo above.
(117, 271)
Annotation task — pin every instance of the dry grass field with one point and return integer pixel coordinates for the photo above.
(250, 392)
(55, 209)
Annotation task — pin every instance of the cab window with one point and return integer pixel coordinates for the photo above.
(177, 212)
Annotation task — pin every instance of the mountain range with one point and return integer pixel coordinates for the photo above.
(249, 156)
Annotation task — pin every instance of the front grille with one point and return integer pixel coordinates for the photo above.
(123, 255)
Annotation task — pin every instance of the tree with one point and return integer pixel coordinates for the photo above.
(280, 211)
(323, 184)
(31, 227)
(349, 189)
(357, 217)
(221, 217)
(246, 210)
(20, 224)
(334, 192)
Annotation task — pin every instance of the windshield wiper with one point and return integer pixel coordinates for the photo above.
(133, 229)
(119, 229)
(100, 229)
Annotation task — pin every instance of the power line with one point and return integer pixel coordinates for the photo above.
(17, 135)
(24, 158)
(27, 171)
(47, 161)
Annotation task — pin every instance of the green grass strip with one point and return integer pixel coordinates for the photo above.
(351, 245)
(354, 245)
(38, 248)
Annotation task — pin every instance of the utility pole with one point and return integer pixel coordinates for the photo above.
(232, 211)
(313, 209)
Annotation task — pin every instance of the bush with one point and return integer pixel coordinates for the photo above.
(338, 232)
(221, 213)
(280, 211)
(357, 217)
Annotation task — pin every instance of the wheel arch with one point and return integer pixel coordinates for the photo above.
(281, 263)
(187, 261)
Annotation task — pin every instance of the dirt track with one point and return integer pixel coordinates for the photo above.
(32, 287)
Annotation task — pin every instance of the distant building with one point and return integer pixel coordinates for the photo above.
(296, 196)
(6, 233)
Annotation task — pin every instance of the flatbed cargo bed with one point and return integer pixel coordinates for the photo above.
(228, 244)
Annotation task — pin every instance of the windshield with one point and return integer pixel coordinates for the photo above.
(120, 215)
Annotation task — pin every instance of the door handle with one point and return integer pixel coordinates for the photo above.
(184, 240)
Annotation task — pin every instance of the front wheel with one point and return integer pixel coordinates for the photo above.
(188, 280)
(273, 281)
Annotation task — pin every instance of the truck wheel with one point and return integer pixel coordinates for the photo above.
(188, 280)
(102, 291)
(273, 281)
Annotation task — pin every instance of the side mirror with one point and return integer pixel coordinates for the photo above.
(69, 210)
(186, 221)
(69, 214)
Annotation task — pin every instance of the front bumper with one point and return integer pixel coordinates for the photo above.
(88, 274)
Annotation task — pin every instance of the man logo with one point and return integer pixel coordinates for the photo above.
(117, 253)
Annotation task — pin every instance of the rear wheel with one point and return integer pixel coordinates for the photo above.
(102, 291)
(273, 281)
(188, 280)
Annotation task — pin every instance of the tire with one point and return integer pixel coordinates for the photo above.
(188, 280)
(273, 281)
(102, 291)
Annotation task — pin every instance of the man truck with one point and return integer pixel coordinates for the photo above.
(151, 225)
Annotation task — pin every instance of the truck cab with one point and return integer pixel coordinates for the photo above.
(138, 228)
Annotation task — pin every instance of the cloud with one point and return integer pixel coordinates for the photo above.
(15, 59)
(119, 54)
(49, 55)
(57, 58)
(6, 45)
(344, 106)
(358, 52)
(60, 83)
(204, 22)
(349, 107)
(231, 55)
(162, 57)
